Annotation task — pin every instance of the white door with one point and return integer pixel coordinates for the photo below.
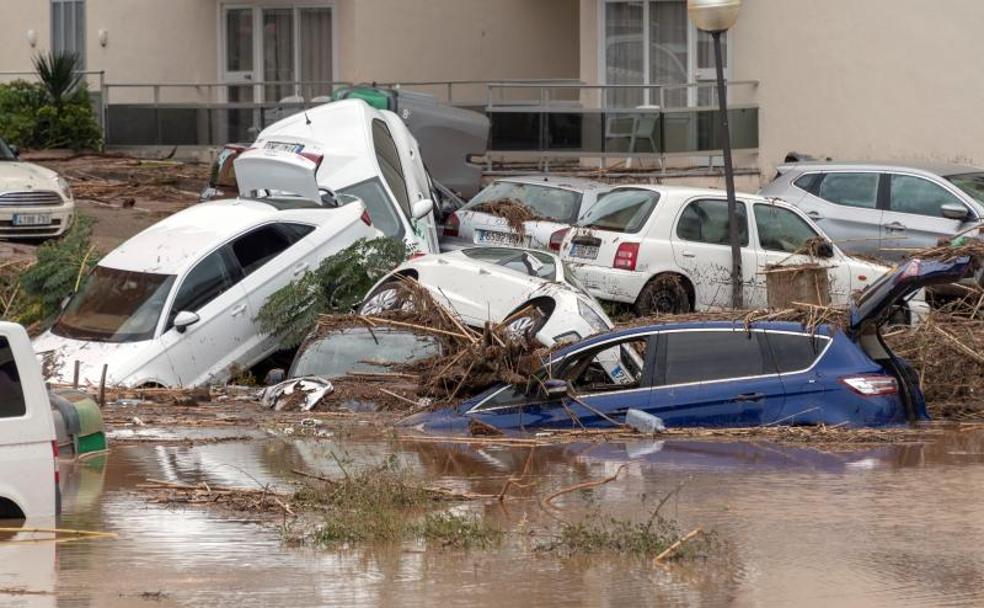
(701, 247)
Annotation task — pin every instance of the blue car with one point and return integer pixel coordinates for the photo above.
(722, 374)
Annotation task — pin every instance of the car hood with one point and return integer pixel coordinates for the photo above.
(905, 279)
(26, 176)
(58, 356)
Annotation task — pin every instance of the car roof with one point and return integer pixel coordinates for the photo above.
(578, 184)
(690, 191)
(933, 168)
(168, 246)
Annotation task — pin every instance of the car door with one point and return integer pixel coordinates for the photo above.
(715, 378)
(845, 206)
(702, 248)
(913, 217)
(795, 355)
(205, 350)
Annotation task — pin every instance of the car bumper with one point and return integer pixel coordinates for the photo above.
(60, 216)
(611, 284)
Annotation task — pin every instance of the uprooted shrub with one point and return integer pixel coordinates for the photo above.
(336, 286)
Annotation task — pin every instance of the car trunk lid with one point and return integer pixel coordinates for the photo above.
(280, 168)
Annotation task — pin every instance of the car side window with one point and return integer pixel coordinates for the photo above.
(809, 182)
(388, 157)
(209, 279)
(909, 194)
(257, 247)
(851, 189)
(12, 404)
(795, 352)
(706, 221)
(780, 229)
(704, 356)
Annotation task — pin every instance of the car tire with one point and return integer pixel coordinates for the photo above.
(391, 295)
(527, 324)
(664, 295)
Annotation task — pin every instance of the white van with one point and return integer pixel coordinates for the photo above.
(28, 450)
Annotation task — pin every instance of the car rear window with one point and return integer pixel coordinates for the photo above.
(11, 393)
(704, 356)
(532, 263)
(796, 352)
(548, 202)
(621, 211)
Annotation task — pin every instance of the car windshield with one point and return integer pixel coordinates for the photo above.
(5, 152)
(381, 209)
(971, 183)
(532, 263)
(115, 306)
(548, 202)
(621, 211)
(360, 350)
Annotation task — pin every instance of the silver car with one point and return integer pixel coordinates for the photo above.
(883, 209)
(556, 202)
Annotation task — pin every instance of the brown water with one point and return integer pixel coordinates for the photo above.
(898, 525)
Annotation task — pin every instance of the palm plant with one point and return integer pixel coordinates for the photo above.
(58, 74)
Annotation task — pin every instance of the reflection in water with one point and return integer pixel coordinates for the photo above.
(882, 525)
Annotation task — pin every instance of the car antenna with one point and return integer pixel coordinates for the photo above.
(307, 120)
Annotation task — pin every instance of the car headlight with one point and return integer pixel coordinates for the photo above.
(591, 316)
(65, 188)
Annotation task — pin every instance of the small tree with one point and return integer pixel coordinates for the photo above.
(59, 75)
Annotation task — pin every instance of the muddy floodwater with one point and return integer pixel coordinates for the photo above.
(877, 525)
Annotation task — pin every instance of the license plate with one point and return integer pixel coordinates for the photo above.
(588, 252)
(279, 146)
(498, 238)
(32, 219)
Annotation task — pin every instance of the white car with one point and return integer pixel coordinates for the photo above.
(176, 304)
(665, 249)
(354, 149)
(28, 469)
(34, 202)
(560, 201)
(530, 289)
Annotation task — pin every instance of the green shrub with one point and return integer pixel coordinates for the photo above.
(61, 265)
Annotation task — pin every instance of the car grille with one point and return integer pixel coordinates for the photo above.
(31, 197)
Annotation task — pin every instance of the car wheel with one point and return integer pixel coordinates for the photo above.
(391, 295)
(664, 295)
(526, 322)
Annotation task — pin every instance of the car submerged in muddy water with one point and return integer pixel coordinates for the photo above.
(722, 373)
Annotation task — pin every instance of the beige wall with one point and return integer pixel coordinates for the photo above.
(886, 79)
(16, 18)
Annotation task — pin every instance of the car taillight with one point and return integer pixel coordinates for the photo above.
(872, 385)
(557, 238)
(54, 451)
(451, 225)
(366, 218)
(626, 256)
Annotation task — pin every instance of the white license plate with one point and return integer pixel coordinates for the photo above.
(588, 252)
(32, 219)
(279, 146)
(497, 238)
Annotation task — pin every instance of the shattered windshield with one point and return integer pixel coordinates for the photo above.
(551, 203)
(360, 350)
(621, 211)
(115, 306)
(971, 183)
(532, 263)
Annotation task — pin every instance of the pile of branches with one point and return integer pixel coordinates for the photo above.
(514, 212)
(810, 316)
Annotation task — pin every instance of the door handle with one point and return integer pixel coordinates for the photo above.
(238, 310)
(749, 397)
(814, 215)
(688, 254)
(897, 226)
(300, 268)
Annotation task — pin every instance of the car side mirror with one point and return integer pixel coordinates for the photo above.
(555, 389)
(184, 319)
(422, 208)
(274, 376)
(825, 250)
(65, 301)
(952, 211)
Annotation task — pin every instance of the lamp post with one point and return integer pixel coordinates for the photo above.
(716, 17)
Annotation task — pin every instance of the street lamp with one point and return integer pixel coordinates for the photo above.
(716, 17)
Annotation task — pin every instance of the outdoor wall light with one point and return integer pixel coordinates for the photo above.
(32, 38)
(103, 37)
(713, 15)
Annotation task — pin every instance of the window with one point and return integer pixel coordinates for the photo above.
(707, 221)
(795, 352)
(389, 163)
(361, 349)
(704, 356)
(212, 277)
(556, 204)
(621, 211)
(809, 182)
(258, 247)
(971, 183)
(381, 210)
(909, 194)
(851, 189)
(780, 229)
(12, 403)
(115, 306)
(531, 263)
(68, 28)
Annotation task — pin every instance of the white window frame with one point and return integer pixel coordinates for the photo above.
(82, 31)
